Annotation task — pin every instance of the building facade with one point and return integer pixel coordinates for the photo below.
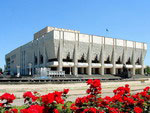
(76, 53)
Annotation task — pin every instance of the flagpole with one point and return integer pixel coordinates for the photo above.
(106, 32)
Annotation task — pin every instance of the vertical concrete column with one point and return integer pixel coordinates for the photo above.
(38, 54)
(60, 52)
(124, 52)
(21, 60)
(142, 60)
(89, 56)
(123, 56)
(33, 55)
(75, 59)
(133, 58)
(44, 54)
(142, 63)
(114, 57)
(102, 56)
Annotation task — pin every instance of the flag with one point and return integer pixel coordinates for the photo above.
(107, 30)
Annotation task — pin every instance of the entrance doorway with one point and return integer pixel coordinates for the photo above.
(119, 71)
(82, 70)
(68, 70)
(107, 71)
(95, 70)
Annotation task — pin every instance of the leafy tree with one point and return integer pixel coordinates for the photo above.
(147, 70)
(1, 70)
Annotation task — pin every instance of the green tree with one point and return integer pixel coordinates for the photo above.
(147, 70)
(1, 70)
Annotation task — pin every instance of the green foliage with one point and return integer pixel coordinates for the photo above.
(1, 70)
(20, 107)
(67, 107)
(147, 70)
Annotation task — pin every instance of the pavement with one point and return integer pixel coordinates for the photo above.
(76, 89)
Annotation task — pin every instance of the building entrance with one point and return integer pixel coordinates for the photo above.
(68, 70)
(118, 71)
(95, 70)
(107, 71)
(82, 70)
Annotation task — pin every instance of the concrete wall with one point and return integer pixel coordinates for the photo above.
(84, 40)
(14, 57)
(48, 45)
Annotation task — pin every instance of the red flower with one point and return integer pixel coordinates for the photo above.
(35, 92)
(24, 111)
(90, 81)
(13, 111)
(122, 90)
(29, 94)
(127, 85)
(8, 97)
(128, 101)
(33, 109)
(96, 83)
(58, 98)
(73, 107)
(113, 110)
(63, 107)
(88, 91)
(147, 89)
(65, 91)
(138, 110)
(121, 102)
(81, 100)
(1, 105)
(48, 99)
(55, 111)
(90, 110)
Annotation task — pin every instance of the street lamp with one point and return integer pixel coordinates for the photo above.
(70, 68)
(18, 71)
(30, 67)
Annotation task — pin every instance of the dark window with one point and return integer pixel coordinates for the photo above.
(129, 61)
(95, 60)
(54, 68)
(8, 61)
(119, 61)
(51, 60)
(108, 60)
(82, 59)
(41, 59)
(68, 59)
(107, 71)
(35, 60)
(138, 61)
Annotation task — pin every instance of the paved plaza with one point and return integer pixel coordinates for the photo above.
(76, 89)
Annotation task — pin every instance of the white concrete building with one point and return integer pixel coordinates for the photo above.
(72, 51)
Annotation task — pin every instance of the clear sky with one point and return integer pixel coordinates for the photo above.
(125, 19)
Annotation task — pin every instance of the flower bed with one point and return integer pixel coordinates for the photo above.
(122, 101)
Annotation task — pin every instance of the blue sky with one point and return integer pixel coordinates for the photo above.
(125, 19)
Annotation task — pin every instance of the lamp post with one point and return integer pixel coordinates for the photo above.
(18, 71)
(30, 67)
(70, 68)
